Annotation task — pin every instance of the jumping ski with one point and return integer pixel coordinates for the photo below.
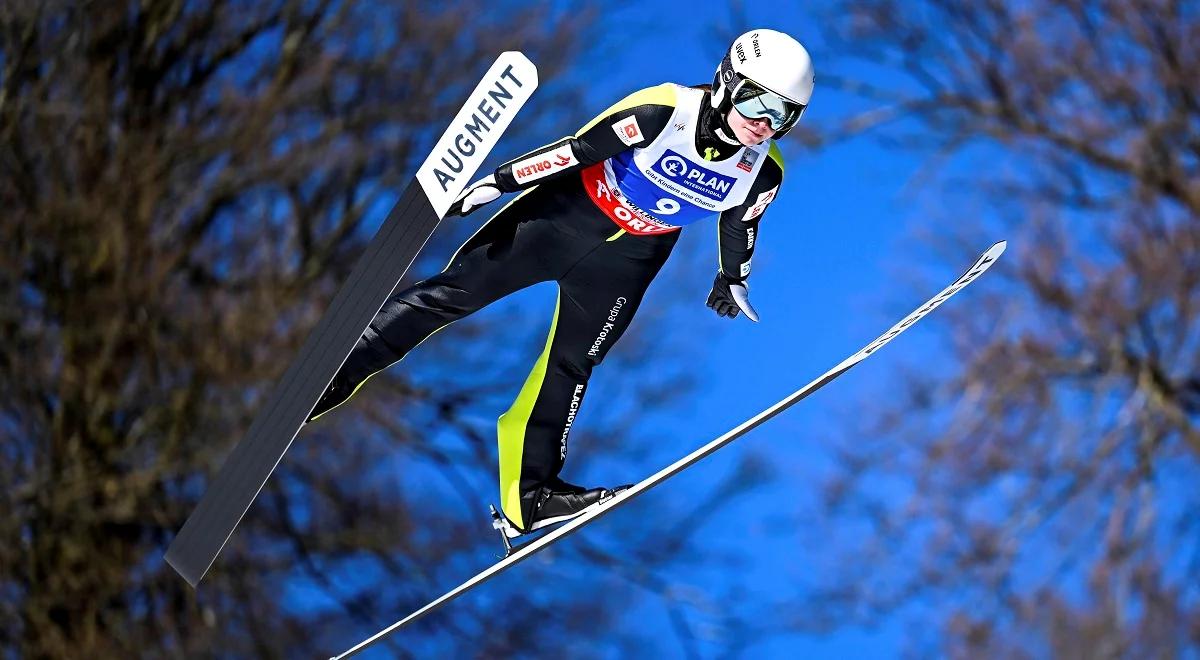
(476, 128)
(517, 554)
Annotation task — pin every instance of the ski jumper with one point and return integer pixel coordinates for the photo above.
(599, 215)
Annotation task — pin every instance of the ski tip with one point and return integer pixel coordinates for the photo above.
(998, 248)
(511, 75)
(517, 59)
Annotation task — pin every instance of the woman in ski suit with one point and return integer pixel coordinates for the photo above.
(599, 214)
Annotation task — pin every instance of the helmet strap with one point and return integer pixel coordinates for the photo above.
(714, 115)
(724, 137)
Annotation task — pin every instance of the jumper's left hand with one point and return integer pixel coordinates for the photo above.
(728, 296)
(476, 195)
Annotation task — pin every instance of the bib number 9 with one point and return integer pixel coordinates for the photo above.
(666, 206)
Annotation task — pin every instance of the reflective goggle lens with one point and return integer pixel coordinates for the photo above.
(754, 102)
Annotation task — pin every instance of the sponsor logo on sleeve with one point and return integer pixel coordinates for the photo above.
(628, 131)
(746, 268)
(760, 204)
(543, 164)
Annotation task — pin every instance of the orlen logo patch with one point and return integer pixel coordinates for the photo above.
(760, 205)
(694, 178)
(545, 164)
(628, 131)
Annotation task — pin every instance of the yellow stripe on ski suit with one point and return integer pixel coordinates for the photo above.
(663, 94)
(356, 389)
(443, 327)
(776, 155)
(511, 427)
(510, 430)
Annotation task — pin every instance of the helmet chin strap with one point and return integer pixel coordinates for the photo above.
(713, 124)
(725, 138)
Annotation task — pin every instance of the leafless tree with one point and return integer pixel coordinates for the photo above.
(184, 186)
(1039, 496)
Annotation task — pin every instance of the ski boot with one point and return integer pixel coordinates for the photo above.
(554, 502)
(338, 392)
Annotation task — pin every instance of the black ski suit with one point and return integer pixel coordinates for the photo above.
(603, 254)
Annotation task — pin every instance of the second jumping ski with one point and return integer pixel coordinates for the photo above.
(517, 554)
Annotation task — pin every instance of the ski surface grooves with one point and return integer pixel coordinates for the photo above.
(502, 92)
(532, 547)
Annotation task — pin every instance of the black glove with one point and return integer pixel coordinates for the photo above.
(476, 195)
(728, 296)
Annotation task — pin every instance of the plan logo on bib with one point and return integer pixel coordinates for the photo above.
(693, 178)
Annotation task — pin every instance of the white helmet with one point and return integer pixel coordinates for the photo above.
(766, 74)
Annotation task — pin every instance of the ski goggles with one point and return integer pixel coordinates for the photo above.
(753, 101)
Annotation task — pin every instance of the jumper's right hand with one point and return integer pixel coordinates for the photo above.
(728, 296)
(476, 195)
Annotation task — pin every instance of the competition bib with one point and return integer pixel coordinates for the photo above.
(667, 184)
